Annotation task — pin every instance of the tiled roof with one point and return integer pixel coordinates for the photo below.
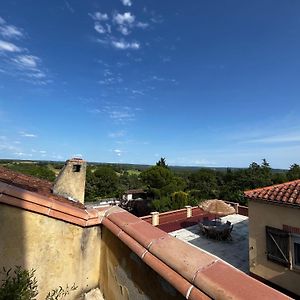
(32, 184)
(285, 193)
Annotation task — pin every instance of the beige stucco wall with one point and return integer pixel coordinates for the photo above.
(125, 276)
(260, 216)
(69, 183)
(60, 252)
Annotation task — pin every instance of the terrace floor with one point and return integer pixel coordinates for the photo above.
(234, 252)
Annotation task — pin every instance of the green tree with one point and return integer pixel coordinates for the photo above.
(205, 182)
(162, 163)
(129, 181)
(157, 177)
(294, 172)
(36, 170)
(101, 182)
(179, 200)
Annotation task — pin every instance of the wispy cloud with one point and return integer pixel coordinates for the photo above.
(116, 113)
(9, 31)
(126, 2)
(69, 7)
(123, 19)
(27, 134)
(98, 16)
(27, 61)
(8, 47)
(121, 44)
(273, 139)
(110, 29)
(118, 152)
(117, 134)
(18, 61)
(110, 78)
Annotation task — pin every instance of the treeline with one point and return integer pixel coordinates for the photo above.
(172, 190)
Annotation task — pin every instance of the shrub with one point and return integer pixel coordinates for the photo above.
(179, 200)
(21, 285)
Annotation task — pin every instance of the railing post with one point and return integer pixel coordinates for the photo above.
(189, 211)
(155, 218)
(236, 207)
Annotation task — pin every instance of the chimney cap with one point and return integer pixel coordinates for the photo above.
(76, 159)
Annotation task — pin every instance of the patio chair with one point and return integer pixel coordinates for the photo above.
(205, 221)
(226, 234)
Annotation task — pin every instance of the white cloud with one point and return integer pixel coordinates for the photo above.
(121, 115)
(99, 28)
(9, 47)
(126, 18)
(117, 134)
(29, 135)
(142, 25)
(124, 30)
(285, 138)
(10, 31)
(125, 45)
(118, 152)
(98, 16)
(126, 2)
(27, 61)
(22, 154)
(24, 65)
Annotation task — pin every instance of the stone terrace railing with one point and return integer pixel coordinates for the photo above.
(188, 216)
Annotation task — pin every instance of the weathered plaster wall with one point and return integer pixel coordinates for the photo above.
(125, 276)
(70, 183)
(260, 216)
(61, 253)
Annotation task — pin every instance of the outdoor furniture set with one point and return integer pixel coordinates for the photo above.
(215, 229)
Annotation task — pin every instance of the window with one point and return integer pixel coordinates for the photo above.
(76, 168)
(278, 246)
(296, 251)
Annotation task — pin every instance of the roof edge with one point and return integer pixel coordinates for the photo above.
(272, 186)
(34, 202)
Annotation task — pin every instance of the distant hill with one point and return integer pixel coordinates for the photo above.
(124, 166)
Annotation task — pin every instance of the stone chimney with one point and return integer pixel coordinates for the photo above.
(70, 183)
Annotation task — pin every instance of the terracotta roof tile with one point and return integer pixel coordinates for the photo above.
(285, 193)
(16, 190)
(32, 184)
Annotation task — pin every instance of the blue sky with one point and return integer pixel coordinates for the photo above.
(203, 83)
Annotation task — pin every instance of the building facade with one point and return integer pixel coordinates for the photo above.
(274, 234)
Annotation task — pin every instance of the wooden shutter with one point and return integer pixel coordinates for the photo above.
(278, 246)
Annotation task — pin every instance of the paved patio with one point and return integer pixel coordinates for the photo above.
(234, 252)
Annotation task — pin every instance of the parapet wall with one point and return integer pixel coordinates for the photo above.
(61, 253)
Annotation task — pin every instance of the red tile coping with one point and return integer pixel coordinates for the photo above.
(192, 271)
(208, 275)
(287, 193)
(52, 207)
(32, 184)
